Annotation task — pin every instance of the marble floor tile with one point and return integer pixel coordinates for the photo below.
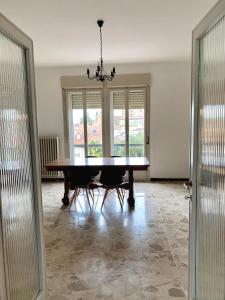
(110, 254)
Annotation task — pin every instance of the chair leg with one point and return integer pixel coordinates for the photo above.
(120, 198)
(86, 190)
(111, 192)
(71, 201)
(91, 194)
(105, 196)
(121, 194)
(73, 197)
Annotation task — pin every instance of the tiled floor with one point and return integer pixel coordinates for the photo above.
(140, 254)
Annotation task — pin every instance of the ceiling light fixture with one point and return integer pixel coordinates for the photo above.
(100, 74)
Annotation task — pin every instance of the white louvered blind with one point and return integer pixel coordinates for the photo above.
(77, 100)
(118, 98)
(93, 99)
(135, 98)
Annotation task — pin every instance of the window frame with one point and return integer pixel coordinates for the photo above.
(68, 121)
(106, 117)
(127, 125)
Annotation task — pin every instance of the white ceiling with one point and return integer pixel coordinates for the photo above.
(65, 31)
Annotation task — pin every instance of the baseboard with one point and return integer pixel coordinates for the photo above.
(169, 179)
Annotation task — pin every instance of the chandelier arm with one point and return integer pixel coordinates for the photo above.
(108, 77)
(106, 72)
(92, 77)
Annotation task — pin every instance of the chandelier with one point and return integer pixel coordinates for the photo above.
(100, 74)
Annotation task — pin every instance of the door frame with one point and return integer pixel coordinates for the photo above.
(215, 14)
(20, 38)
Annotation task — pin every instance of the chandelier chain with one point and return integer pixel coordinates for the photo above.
(101, 43)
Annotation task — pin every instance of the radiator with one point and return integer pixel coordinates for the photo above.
(49, 151)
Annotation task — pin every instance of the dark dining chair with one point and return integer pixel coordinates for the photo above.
(124, 185)
(94, 172)
(110, 179)
(81, 181)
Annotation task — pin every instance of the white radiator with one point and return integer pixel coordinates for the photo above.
(49, 151)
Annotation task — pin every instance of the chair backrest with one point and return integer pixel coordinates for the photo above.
(111, 176)
(80, 177)
(124, 172)
(94, 171)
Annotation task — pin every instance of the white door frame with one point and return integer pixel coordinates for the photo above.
(20, 38)
(217, 12)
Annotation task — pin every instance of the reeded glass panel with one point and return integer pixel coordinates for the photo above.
(118, 100)
(210, 253)
(16, 182)
(136, 104)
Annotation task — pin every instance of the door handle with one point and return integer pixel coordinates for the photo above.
(188, 186)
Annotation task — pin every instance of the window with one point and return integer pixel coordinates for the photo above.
(86, 123)
(118, 116)
(124, 116)
(128, 121)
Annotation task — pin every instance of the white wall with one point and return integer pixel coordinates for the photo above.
(169, 116)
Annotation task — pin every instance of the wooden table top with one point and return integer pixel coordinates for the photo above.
(132, 163)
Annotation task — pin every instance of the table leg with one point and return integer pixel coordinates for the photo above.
(65, 199)
(131, 200)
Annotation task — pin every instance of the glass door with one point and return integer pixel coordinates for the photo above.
(128, 122)
(22, 268)
(207, 209)
(77, 124)
(94, 123)
(118, 122)
(85, 122)
(137, 136)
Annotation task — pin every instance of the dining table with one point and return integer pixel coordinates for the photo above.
(129, 164)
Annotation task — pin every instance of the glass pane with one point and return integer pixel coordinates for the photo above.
(16, 189)
(94, 122)
(118, 120)
(78, 124)
(210, 248)
(136, 102)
